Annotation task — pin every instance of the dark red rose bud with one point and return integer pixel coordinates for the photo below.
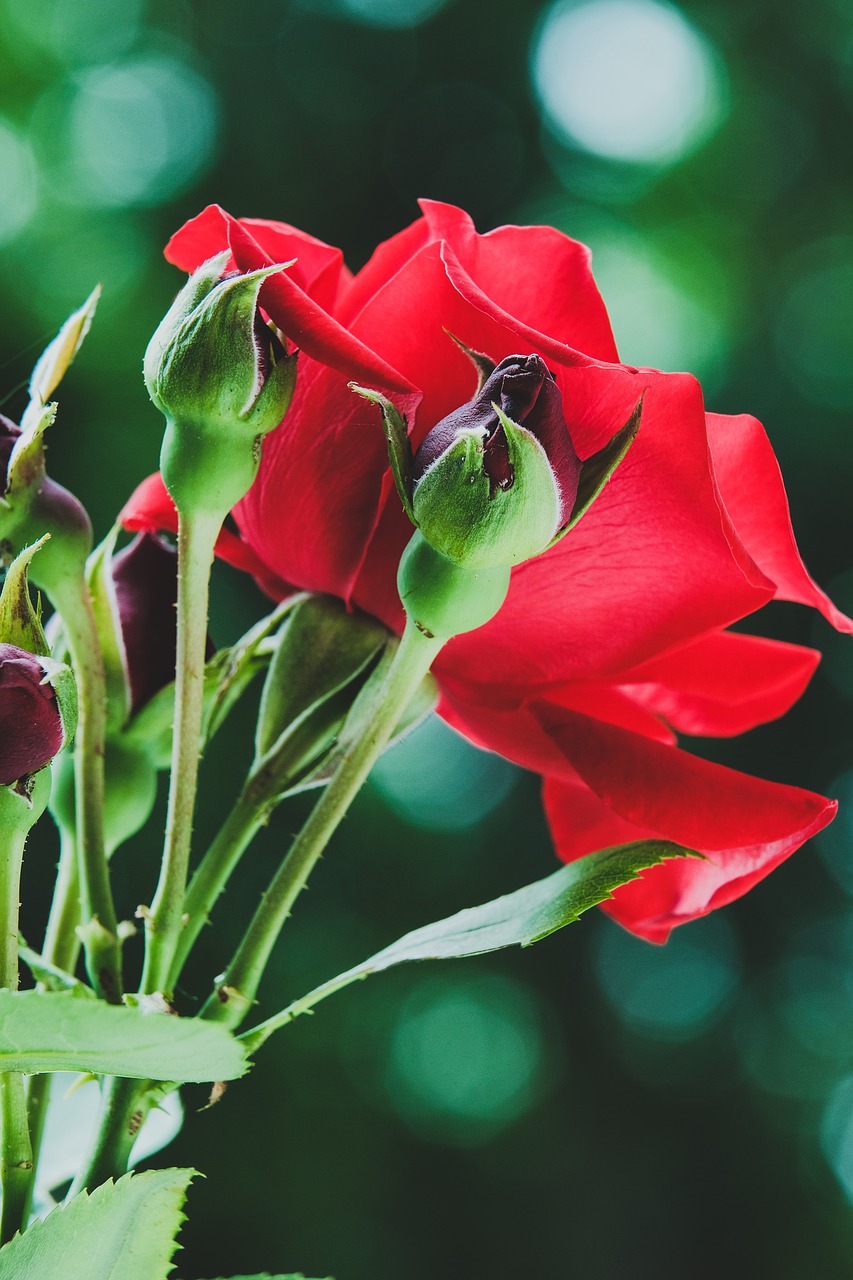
(145, 575)
(31, 732)
(525, 390)
(9, 432)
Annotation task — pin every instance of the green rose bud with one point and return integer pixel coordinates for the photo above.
(223, 380)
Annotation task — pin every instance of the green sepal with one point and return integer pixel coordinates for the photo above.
(123, 1230)
(517, 919)
(399, 446)
(20, 623)
(26, 470)
(356, 716)
(598, 469)
(320, 649)
(53, 363)
(483, 364)
(199, 284)
(204, 371)
(463, 516)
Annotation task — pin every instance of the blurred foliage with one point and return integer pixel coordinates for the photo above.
(595, 1107)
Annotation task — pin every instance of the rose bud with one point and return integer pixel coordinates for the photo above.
(31, 505)
(31, 729)
(145, 580)
(223, 379)
(497, 478)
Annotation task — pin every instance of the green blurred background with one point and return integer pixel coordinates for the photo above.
(595, 1107)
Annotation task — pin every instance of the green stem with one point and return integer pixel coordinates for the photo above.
(18, 812)
(255, 1037)
(264, 788)
(238, 985)
(16, 1160)
(61, 948)
(245, 819)
(196, 539)
(100, 936)
(124, 1106)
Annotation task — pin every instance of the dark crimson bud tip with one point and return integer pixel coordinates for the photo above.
(31, 732)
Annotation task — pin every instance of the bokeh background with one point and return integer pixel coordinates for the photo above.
(594, 1107)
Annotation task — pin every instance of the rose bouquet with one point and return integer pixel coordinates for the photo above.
(455, 497)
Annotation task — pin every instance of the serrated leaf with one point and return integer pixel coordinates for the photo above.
(598, 469)
(517, 919)
(56, 1031)
(57, 356)
(121, 1231)
(399, 449)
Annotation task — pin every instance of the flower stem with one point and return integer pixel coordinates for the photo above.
(124, 1106)
(196, 539)
(238, 985)
(17, 814)
(61, 948)
(215, 869)
(16, 1160)
(100, 937)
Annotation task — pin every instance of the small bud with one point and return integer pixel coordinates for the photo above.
(223, 380)
(497, 478)
(31, 505)
(31, 731)
(21, 631)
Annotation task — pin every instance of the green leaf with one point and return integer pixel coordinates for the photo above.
(517, 919)
(399, 448)
(265, 1275)
(321, 649)
(598, 469)
(57, 1031)
(121, 1231)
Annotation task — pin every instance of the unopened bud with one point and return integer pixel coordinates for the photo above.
(223, 380)
(497, 478)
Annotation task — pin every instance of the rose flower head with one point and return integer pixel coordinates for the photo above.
(614, 644)
(496, 479)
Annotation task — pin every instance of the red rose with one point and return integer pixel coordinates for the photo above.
(611, 642)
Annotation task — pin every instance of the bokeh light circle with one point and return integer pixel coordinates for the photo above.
(628, 80)
(19, 183)
(141, 130)
(468, 1057)
(436, 780)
